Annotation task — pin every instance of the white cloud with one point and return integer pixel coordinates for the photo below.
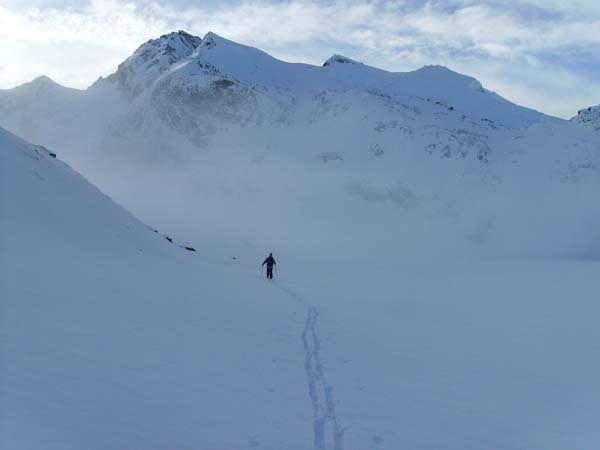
(486, 39)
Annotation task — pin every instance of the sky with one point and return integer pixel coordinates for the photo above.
(544, 54)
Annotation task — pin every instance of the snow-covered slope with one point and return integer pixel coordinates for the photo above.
(44, 111)
(113, 338)
(39, 189)
(38, 108)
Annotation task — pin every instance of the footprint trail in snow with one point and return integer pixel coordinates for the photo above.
(327, 433)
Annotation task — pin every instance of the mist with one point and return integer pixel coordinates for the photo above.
(222, 147)
(245, 202)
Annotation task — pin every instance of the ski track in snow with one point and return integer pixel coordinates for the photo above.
(327, 433)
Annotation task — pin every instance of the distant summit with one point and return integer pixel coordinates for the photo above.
(44, 80)
(43, 83)
(41, 96)
(339, 59)
(589, 116)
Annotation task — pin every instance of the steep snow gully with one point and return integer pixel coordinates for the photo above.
(327, 432)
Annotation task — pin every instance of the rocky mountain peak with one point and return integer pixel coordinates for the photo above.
(339, 59)
(152, 59)
(589, 116)
(210, 40)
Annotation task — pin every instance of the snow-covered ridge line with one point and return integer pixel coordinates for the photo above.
(17, 156)
(181, 55)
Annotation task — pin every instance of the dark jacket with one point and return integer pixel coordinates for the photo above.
(270, 261)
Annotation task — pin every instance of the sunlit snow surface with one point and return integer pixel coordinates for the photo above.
(113, 338)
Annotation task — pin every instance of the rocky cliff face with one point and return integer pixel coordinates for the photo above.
(589, 116)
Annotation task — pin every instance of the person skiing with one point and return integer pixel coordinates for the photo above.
(270, 262)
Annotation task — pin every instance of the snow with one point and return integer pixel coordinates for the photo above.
(256, 67)
(111, 337)
(589, 116)
(436, 244)
(339, 59)
(151, 60)
(172, 90)
(461, 356)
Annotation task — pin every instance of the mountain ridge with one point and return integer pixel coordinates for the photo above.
(157, 56)
(236, 131)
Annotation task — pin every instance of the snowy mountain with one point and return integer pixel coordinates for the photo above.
(589, 116)
(42, 88)
(113, 338)
(46, 112)
(182, 86)
(36, 108)
(151, 60)
(211, 140)
(223, 85)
